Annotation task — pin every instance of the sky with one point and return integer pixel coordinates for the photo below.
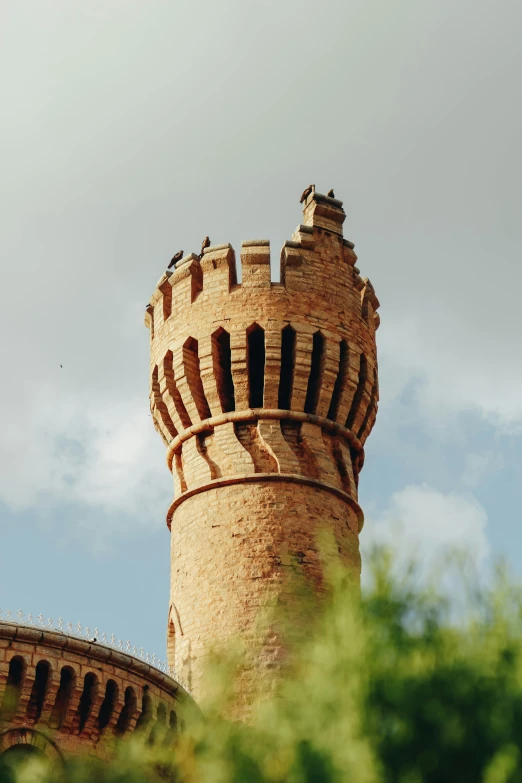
(133, 129)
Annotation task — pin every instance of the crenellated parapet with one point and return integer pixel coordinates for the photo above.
(264, 394)
(228, 358)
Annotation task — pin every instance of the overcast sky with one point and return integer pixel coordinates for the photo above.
(132, 129)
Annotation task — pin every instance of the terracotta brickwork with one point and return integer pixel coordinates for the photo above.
(264, 394)
(65, 695)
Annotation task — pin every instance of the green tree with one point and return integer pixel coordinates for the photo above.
(392, 686)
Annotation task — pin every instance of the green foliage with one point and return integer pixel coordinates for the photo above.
(396, 686)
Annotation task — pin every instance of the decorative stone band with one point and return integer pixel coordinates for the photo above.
(254, 414)
(226, 481)
(261, 444)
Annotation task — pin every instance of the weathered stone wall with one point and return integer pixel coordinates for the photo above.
(264, 394)
(66, 695)
(225, 565)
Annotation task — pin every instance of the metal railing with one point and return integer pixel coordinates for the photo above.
(80, 631)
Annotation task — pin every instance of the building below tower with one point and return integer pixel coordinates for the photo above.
(60, 695)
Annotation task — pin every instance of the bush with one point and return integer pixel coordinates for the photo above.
(394, 686)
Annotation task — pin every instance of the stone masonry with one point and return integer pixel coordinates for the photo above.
(64, 695)
(264, 394)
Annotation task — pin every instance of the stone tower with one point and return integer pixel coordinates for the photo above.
(264, 394)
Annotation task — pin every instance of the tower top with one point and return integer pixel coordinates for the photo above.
(330, 371)
(306, 260)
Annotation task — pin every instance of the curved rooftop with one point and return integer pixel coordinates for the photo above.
(64, 694)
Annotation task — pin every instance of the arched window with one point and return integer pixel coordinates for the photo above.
(286, 381)
(167, 422)
(363, 375)
(170, 736)
(193, 376)
(129, 708)
(107, 707)
(37, 697)
(168, 369)
(13, 689)
(316, 373)
(85, 706)
(63, 698)
(256, 365)
(340, 382)
(146, 713)
(160, 727)
(222, 365)
(16, 757)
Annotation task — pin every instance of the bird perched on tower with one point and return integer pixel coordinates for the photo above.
(175, 258)
(204, 244)
(306, 193)
(331, 193)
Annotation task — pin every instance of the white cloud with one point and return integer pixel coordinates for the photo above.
(104, 457)
(424, 524)
(458, 360)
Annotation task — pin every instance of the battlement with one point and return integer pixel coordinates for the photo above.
(324, 212)
(218, 266)
(316, 255)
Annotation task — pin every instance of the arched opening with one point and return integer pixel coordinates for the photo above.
(170, 736)
(13, 689)
(363, 375)
(315, 378)
(63, 698)
(129, 708)
(256, 365)
(171, 638)
(370, 411)
(38, 691)
(341, 381)
(146, 713)
(160, 727)
(162, 408)
(222, 365)
(14, 759)
(107, 707)
(86, 700)
(168, 369)
(162, 714)
(193, 376)
(286, 380)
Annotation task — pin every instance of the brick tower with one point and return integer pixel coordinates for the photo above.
(264, 394)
